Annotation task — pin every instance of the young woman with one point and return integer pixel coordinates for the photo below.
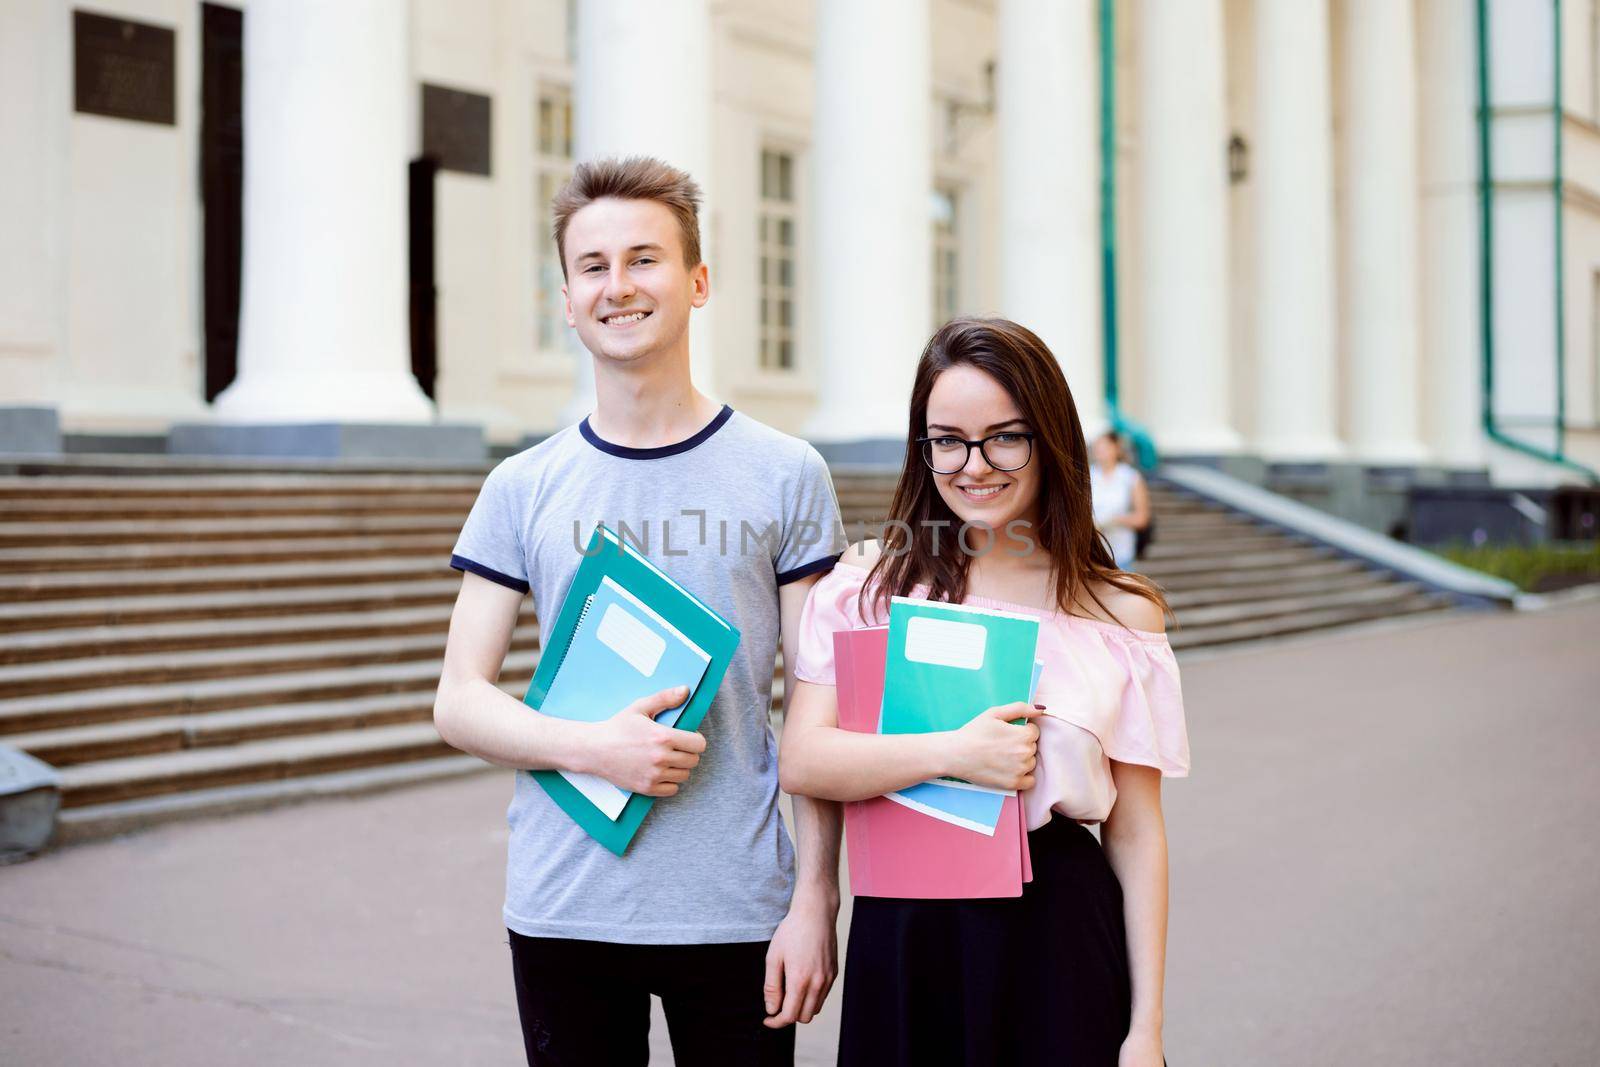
(1121, 500)
(1070, 972)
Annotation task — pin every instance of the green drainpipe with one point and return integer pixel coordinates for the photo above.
(1144, 446)
(1486, 260)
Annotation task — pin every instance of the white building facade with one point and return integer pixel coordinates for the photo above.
(1265, 229)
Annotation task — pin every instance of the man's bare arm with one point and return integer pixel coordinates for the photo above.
(802, 961)
(474, 714)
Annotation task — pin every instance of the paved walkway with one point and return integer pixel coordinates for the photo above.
(1387, 855)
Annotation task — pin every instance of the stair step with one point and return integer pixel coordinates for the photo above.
(1217, 545)
(160, 668)
(221, 554)
(74, 508)
(1262, 608)
(298, 528)
(1188, 509)
(107, 781)
(36, 615)
(124, 702)
(179, 485)
(77, 585)
(1205, 596)
(1282, 625)
(1160, 569)
(163, 637)
(1168, 532)
(94, 821)
(1255, 577)
(67, 746)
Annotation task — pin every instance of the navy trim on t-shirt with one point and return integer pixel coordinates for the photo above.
(462, 563)
(824, 564)
(624, 452)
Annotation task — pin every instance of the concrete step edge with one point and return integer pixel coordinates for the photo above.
(1265, 608)
(92, 822)
(67, 614)
(145, 639)
(283, 757)
(18, 536)
(114, 704)
(208, 729)
(1202, 596)
(14, 676)
(153, 581)
(1230, 633)
(1254, 561)
(144, 554)
(73, 507)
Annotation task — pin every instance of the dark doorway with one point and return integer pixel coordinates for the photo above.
(222, 186)
(424, 292)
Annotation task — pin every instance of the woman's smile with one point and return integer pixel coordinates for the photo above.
(983, 494)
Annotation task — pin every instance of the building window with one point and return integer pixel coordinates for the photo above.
(946, 254)
(552, 167)
(776, 237)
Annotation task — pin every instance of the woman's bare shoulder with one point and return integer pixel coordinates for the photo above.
(862, 554)
(1129, 609)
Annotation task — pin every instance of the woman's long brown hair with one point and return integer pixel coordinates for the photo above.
(1015, 357)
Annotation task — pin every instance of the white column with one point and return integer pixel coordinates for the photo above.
(1452, 330)
(323, 330)
(1182, 252)
(1382, 330)
(871, 180)
(1451, 333)
(1297, 396)
(667, 115)
(1049, 127)
(35, 117)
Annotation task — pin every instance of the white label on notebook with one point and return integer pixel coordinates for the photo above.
(601, 793)
(944, 643)
(631, 639)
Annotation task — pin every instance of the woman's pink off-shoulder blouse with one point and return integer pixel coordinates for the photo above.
(1111, 694)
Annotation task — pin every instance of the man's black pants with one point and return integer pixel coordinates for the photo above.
(587, 1003)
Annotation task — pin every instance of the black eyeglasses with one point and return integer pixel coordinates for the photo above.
(1002, 451)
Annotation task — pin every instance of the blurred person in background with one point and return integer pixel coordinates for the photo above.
(1121, 499)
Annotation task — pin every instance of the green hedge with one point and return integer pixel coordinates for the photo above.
(1532, 567)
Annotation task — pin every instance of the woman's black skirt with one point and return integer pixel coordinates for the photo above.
(1039, 979)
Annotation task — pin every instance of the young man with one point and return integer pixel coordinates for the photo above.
(706, 909)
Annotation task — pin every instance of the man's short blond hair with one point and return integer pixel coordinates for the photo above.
(632, 178)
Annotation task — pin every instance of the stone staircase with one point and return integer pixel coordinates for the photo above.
(183, 640)
(1229, 579)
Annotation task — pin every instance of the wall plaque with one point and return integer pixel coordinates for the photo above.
(123, 69)
(455, 129)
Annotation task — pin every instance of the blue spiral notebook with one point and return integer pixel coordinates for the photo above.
(621, 650)
(657, 609)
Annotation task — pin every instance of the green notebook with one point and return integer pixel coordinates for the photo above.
(608, 557)
(949, 662)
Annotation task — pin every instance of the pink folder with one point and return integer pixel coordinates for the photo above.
(895, 851)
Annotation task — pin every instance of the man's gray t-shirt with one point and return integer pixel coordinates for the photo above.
(730, 514)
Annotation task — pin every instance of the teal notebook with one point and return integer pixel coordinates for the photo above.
(627, 630)
(946, 664)
(959, 803)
